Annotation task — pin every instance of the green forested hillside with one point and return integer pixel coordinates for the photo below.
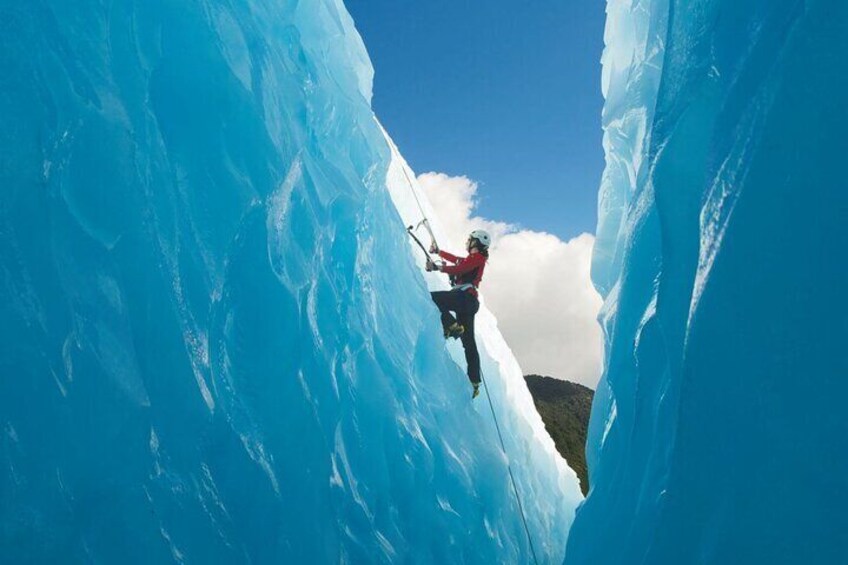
(564, 407)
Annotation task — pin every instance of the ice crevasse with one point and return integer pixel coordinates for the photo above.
(217, 343)
(718, 430)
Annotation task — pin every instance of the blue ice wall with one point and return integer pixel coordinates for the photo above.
(215, 346)
(718, 431)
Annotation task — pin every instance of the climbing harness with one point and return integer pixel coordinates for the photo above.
(509, 468)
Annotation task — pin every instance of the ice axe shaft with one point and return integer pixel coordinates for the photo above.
(418, 241)
(426, 223)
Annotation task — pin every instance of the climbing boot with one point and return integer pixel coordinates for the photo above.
(455, 330)
(476, 391)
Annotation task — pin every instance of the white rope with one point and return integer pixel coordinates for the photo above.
(411, 186)
(509, 468)
(426, 223)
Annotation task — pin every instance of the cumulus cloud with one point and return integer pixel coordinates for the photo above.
(537, 285)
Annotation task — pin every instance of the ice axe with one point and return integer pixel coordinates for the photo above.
(409, 231)
(426, 223)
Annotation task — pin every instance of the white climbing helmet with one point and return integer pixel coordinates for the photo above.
(482, 236)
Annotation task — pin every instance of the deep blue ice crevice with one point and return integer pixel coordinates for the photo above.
(719, 218)
(217, 345)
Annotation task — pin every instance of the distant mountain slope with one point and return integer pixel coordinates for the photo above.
(564, 407)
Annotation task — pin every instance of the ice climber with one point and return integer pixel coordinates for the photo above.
(465, 276)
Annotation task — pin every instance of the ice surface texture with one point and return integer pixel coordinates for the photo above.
(718, 431)
(216, 344)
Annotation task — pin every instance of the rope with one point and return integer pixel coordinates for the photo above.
(509, 468)
(411, 187)
(485, 386)
(424, 220)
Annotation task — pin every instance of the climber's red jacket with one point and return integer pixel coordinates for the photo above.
(466, 270)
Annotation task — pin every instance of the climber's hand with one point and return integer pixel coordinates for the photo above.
(434, 248)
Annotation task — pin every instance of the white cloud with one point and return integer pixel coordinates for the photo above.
(537, 285)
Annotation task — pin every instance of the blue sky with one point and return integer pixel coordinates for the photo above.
(507, 93)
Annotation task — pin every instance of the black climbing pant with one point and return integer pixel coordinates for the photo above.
(465, 305)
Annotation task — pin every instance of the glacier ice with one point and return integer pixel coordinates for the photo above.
(718, 430)
(217, 345)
